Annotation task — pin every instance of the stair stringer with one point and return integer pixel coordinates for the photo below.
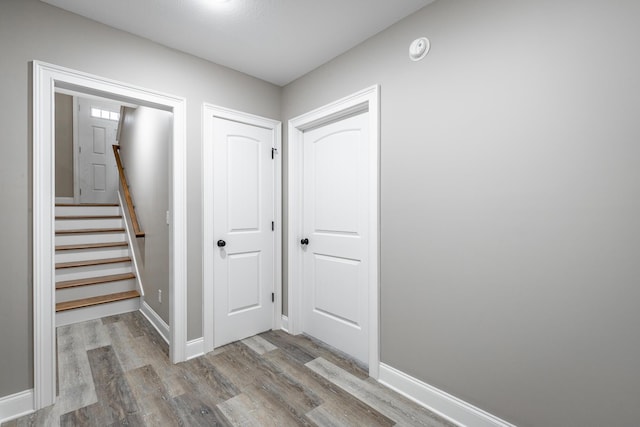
(131, 238)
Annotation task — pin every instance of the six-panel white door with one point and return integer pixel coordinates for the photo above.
(98, 179)
(243, 198)
(335, 222)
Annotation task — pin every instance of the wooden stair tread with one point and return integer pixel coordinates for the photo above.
(92, 262)
(94, 280)
(91, 246)
(87, 204)
(102, 299)
(90, 231)
(70, 217)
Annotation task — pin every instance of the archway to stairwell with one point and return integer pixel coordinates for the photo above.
(46, 79)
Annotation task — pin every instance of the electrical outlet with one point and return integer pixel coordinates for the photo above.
(160, 296)
(167, 219)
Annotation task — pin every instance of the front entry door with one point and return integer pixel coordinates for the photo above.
(335, 234)
(97, 128)
(243, 199)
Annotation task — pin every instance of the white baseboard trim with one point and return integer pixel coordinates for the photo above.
(65, 200)
(16, 405)
(438, 401)
(195, 348)
(285, 323)
(157, 322)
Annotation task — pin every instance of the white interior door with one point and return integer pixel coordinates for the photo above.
(243, 211)
(97, 129)
(335, 222)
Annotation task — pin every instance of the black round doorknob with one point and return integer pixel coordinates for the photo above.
(304, 241)
(221, 243)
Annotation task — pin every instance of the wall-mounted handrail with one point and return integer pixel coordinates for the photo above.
(127, 194)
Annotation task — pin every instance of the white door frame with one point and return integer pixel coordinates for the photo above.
(365, 100)
(46, 78)
(208, 112)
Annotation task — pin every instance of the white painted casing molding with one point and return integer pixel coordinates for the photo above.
(442, 403)
(208, 112)
(16, 405)
(285, 323)
(195, 348)
(46, 79)
(365, 100)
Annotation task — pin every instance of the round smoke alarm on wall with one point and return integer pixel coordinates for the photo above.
(419, 48)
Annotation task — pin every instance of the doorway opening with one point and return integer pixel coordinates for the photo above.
(48, 78)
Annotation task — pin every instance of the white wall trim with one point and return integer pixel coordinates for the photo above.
(285, 323)
(195, 348)
(131, 239)
(46, 78)
(16, 405)
(367, 99)
(155, 319)
(208, 112)
(442, 403)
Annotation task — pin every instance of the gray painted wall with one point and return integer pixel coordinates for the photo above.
(30, 30)
(64, 145)
(510, 198)
(145, 139)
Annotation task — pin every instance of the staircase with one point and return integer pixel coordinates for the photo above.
(94, 271)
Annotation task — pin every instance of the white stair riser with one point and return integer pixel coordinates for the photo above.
(87, 210)
(75, 273)
(97, 311)
(77, 239)
(89, 254)
(80, 292)
(77, 224)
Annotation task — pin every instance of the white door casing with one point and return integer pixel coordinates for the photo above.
(46, 79)
(97, 173)
(335, 224)
(241, 199)
(300, 256)
(243, 188)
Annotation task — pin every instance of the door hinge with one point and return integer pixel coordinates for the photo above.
(273, 226)
(274, 151)
(273, 297)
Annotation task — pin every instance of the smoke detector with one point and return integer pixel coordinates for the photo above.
(419, 48)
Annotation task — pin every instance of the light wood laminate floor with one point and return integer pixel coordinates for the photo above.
(116, 371)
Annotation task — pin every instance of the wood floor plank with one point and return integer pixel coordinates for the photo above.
(328, 392)
(207, 381)
(391, 404)
(250, 371)
(290, 344)
(111, 385)
(194, 413)
(333, 355)
(151, 396)
(259, 344)
(88, 416)
(255, 408)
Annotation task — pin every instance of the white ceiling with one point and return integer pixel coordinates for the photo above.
(274, 40)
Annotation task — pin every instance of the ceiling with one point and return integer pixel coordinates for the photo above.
(274, 40)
